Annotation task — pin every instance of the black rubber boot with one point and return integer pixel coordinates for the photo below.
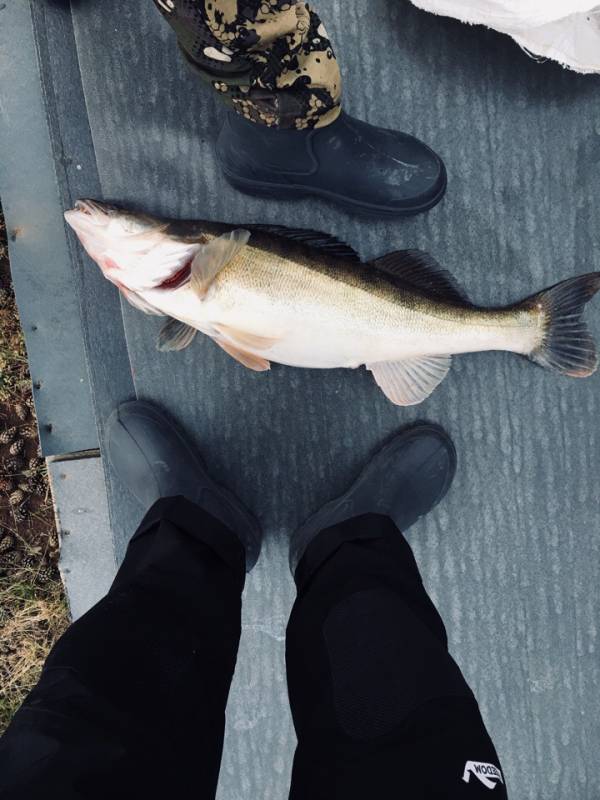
(404, 480)
(366, 170)
(153, 459)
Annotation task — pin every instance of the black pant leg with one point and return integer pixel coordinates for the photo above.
(131, 701)
(380, 708)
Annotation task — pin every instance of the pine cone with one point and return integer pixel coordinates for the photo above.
(29, 432)
(13, 466)
(6, 485)
(22, 411)
(29, 562)
(7, 542)
(36, 463)
(7, 649)
(20, 513)
(45, 574)
(17, 447)
(29, 402)
(26, 487)
(11, 559)
(8, 435)
(16, 497)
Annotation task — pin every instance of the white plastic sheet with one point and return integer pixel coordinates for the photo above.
(567, 31)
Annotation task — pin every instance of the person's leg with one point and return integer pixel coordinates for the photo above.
(131, 700)
(380, 708)
(286, 137)
(272, 61)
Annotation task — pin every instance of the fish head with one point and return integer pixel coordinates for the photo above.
(134, 251)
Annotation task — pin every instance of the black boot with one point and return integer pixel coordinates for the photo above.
(365, 169)
(153, 459)
(404, 480)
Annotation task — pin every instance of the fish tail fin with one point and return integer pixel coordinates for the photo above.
(567, 345)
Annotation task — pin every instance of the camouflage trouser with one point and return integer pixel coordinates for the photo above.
(271, 59)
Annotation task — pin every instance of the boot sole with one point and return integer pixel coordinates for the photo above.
(290, 192)
(325, 516)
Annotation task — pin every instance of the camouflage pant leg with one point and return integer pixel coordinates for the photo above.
(271, 59)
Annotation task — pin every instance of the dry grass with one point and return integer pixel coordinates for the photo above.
(31, 619)
(33, 611)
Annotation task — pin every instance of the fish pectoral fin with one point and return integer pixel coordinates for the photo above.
(245, 340)
(249, 360)
(212, 257)
(419, 270)
(175, 335)
(409, 382)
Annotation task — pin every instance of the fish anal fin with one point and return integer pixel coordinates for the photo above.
(249, 360)
(175, 335)
(418, 269)
(211, 258)
(245, 340)
(412, 380)
(317, 240)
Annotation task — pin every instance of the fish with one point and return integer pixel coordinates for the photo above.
(267, 293)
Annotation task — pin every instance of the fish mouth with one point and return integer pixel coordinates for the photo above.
(90, 208)
(86, 216)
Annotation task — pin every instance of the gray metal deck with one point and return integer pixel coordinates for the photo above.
(512, 558)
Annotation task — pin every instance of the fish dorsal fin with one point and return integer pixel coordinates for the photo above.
(409, 382)
(418, 269)
(315, 239)
(212, 257)
(175, 335)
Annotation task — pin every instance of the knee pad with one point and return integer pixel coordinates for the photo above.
(385, 662)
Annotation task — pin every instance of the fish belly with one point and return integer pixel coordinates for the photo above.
(305, 339)
(323, 335)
